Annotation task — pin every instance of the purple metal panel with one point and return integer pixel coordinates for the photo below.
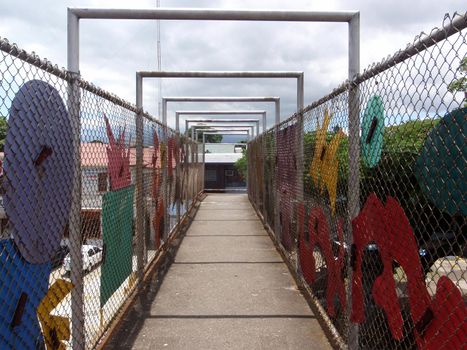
(39, 170)
(287, 180)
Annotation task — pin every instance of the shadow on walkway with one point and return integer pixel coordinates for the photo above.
(227, 288)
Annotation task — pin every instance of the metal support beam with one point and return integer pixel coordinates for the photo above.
(140, 249)
(215, 15)
(222, 132)
(276, 100)
(353, 205)
(210, 122)
(299, 76)
(251, 128)
(220, 113)
(77, 293)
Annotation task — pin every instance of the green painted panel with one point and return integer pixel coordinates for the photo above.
(440, 167)
(373, 131)
(117, 219)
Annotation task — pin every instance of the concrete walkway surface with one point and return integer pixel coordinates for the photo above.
(228, 288)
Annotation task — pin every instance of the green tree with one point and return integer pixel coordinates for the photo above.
(209, 138)
(460, 84)
(3, 130)
(242, 164)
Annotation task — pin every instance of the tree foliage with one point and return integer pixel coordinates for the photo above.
(460, 84)
(3, 130)
(242, 164)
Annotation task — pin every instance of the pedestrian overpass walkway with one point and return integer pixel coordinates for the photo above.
(228, 288)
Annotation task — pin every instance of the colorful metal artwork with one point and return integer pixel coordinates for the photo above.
(372, 131)
(319, 236)
(158, 222)
(39, 170)
(286, 181)
(21, 291)
(54, 328)
(440, 167)
(117, 234)
(324, 166)
(156, 176)
(118, 159)
(436, 320)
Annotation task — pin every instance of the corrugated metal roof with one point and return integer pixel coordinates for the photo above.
(94, 154)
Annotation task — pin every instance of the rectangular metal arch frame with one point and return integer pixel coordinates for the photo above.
(220, 113)
(352, 18)
(275, 99)
(232, 127)
(299, 76)
(213, 122)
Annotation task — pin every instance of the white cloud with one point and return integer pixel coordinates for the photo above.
(111, 51)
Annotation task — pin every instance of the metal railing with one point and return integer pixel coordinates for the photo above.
(378, 237)
(74, 188)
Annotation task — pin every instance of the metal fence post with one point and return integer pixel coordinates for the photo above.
(177, 175)
(187, 172)
(299, 144)
(77, 301)
(204, 161)
(164, 111)
(277, 107)
(139, 184)
(263, 185)
(194, 153)
(165, 179)
(354, 159)
(277, 199)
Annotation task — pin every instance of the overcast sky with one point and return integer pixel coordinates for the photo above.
(111, 51)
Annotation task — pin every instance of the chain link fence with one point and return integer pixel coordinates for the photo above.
(77, 175)
(371, 211)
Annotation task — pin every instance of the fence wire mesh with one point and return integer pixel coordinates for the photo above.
(60, 289)
(393, 275)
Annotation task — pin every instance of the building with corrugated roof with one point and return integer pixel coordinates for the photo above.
(220, 173)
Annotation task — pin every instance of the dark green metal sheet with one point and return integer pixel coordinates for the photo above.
(117, 231)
